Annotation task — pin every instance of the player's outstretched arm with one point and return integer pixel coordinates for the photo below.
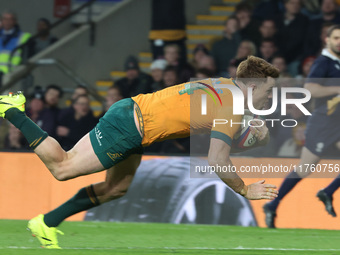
(318, 90)
(219, 156)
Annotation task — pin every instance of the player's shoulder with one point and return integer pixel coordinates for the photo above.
(321, 63)
(326, 58)
(322, 59)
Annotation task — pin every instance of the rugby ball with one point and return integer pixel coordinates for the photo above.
(244, 138)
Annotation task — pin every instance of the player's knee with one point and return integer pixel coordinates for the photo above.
(116, 192)
(60, 176)
(60, 173)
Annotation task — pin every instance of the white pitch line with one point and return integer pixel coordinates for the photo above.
(176, 248)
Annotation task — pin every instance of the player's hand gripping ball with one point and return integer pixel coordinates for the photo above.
(244, 138)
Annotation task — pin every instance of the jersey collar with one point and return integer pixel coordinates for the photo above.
(326, 53)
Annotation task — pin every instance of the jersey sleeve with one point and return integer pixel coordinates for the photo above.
(225, 124)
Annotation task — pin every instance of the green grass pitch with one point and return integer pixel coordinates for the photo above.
(139, 238)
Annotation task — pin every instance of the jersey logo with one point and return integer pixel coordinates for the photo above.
(192, 86)
(99, 135)
(114, 156)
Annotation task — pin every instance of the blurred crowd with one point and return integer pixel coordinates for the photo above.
(290, 34)
(11, 37)
(67, 124)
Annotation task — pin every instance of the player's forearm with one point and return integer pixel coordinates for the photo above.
(230, 178)
(317, 90)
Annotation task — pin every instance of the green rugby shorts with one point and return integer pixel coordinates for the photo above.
(116, 137)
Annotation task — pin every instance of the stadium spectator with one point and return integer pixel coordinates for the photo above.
(36, 105)
(268, 9)
(80, 90)
(245, 49)
(73, 126)
(135, 82)
(306, 65)
(170, 76)
(157, 72)
(14, 139)
(207, 62)
(322, 127)
(44, 39)
(203, 73)
(268, 30)
(48, 117)
(232, 68)
(249, 27)
(112, 97)
(168, 27)
(315, 47)
(311, 8)
(280, 63)
(224, 50)
(172, 55)
(292, 26)
(10, 37)
(283, 134)
(330, 14)
(268, 49)
(199, 52)
(293, 146)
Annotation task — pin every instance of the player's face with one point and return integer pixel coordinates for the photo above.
(333, 42)
(262, 94)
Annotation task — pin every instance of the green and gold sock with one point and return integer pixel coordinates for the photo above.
(32, 132)
(83, 200)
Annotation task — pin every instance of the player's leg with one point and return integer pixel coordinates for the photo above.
(116, 184)
(63, 165)
(118, 179)
(326, 195)
(302, 171)
(80, 160)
